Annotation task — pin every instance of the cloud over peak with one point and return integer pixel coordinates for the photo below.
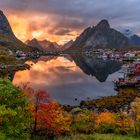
(67, 18)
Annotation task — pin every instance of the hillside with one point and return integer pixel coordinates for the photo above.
(7, 38)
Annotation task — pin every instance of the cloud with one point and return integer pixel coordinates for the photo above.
(64, 16)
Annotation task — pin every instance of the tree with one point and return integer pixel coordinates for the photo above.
(48, 116)
(14, 114)
(135, 112)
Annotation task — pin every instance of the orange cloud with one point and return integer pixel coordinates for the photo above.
(40, 26)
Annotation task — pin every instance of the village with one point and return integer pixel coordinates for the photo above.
(130, 60)
(114, 54)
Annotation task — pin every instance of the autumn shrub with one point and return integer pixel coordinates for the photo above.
(83, 122)
(14, 114)
(135, 113)
(51, 120)
(48, 117)
(125, 124)
(106, 122)
(118, 123)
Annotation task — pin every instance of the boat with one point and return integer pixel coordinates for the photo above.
(131, 77)
(125, 83)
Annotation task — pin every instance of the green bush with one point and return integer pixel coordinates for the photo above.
(14, 115)
(83, 123)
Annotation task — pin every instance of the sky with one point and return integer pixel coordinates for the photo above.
(63, 20)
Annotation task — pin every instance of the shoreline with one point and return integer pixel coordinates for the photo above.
(118, 103)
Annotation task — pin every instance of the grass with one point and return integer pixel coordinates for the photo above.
(6, 58)
(91, 137)
(12, 43)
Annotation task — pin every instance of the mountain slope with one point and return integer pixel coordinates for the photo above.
(34, 44)
(100, 36)
(134, 40)
(7, 37)
(67, 45)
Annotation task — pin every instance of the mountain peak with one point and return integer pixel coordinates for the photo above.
(34, 39)
(100, 36)
(5, 27)
(1, 12)
(103, 24)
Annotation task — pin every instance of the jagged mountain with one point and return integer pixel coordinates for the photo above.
(43, 45)
(100, 36)
(127, 32)
(7, 38)
(134, 40)
(67, 45)
(34, 44)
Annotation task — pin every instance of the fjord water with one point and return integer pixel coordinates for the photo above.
(71, 79)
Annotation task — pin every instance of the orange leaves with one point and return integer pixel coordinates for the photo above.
(49, 118)
(106, 118)
(124, 121)
(107, 122)
(135, 107)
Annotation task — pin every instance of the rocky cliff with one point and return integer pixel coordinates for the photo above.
(7, 38)
(100, 36)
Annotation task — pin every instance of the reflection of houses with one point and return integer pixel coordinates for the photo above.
(138, 54)
(92, 52)
(129, 54)
(112, 54)
(87, 52)
(20, 54)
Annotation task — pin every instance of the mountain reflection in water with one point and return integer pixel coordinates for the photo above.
(97, 67)
(68, 78)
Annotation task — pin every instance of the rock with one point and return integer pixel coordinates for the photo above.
(76, 110)
(5, 27)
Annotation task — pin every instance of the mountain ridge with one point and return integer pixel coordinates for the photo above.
(43, 45)
(100, 36)
(8, 40)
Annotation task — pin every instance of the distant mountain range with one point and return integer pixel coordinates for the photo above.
(46, 45)
(133, 38)
(99, 36)
(43, 45)
(7, 38)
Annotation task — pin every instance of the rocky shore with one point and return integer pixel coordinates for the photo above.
(119, 103)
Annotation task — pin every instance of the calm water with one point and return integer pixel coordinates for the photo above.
(67, 78)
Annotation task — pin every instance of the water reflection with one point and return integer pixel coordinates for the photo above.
(97, 67)
(65, 81)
